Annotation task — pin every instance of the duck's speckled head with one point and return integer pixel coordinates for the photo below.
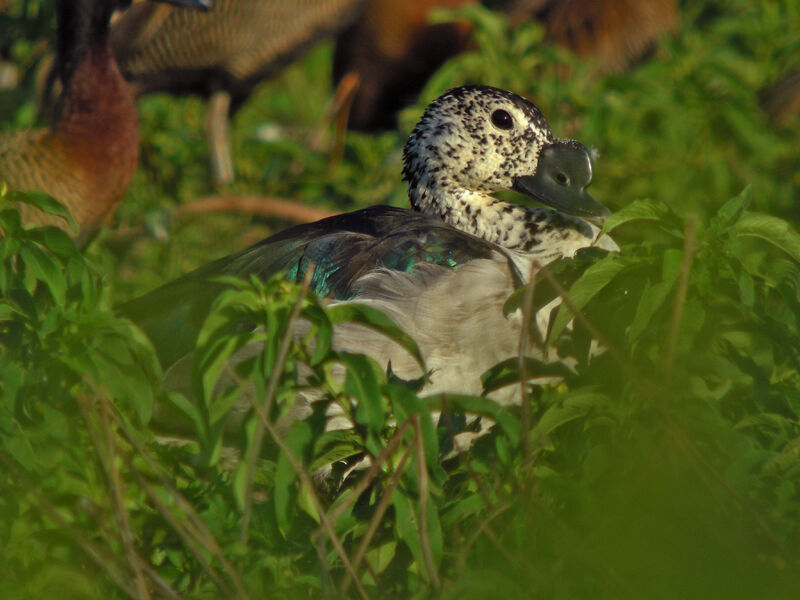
(476, 140)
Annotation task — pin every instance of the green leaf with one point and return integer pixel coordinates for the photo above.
(20, 448)
(507, 372)
(46, 203)
(479, 406)
(336, 452)
(363, 384)
(773, 230)
(434, 531)
(463, 508)
(45, 269)
(733, 208)
(747, 292)
(573, 405)
(637, 210)
(594, 279)
(323, 333)
(671, 265)
(214, 360)
(306, 503)
(406, 403)
(225, 401)
(515, 300)
(187, 408)
(566, 272)
(352, 312)
(406, 524)
(379, 557)
(299, 437)
(59, 243)
(652, 298)
(654, 295)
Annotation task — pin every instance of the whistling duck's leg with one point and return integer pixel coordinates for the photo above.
(338, 112)
(219, 139)
(344, 96)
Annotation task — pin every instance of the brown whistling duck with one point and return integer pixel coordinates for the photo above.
(221, 54)
(393, 49)
(87, 157)
(612, 33)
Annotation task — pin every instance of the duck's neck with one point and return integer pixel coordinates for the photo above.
(531, 235)
(95, 114)
(80, 24)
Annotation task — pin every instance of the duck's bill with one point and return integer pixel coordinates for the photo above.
(197, 4)
(562, 175)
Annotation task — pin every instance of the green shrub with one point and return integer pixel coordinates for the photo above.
(667, 466)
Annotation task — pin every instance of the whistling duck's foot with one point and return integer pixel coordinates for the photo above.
(219, 141)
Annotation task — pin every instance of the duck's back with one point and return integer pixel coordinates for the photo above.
(35, 160)
(236, 41)
(341, 250)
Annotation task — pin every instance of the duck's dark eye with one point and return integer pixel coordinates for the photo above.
(502, 119)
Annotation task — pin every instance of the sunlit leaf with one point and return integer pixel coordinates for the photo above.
(637, 210)
(363, 385)
(594, 279)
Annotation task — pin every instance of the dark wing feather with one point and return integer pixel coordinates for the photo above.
(341, 249)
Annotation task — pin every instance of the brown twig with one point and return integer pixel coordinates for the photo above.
(680, 294)
(118, 497)
(581, 318)
(527, 308)
(365, 481)
(186, 534)
(484, 528)
(269, 396)
(161, 585)
(374, 522)
(254, 205)
(98, 556)
(107, 466)
(422, 468)
(199, 531)
(304, 478)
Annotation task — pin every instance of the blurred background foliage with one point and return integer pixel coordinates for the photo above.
(668, 467)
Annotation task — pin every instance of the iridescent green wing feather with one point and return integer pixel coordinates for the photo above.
(340, 249)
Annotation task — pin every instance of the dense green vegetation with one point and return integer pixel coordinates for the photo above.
(667, 467)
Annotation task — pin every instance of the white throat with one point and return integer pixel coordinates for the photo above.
(531, 235)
